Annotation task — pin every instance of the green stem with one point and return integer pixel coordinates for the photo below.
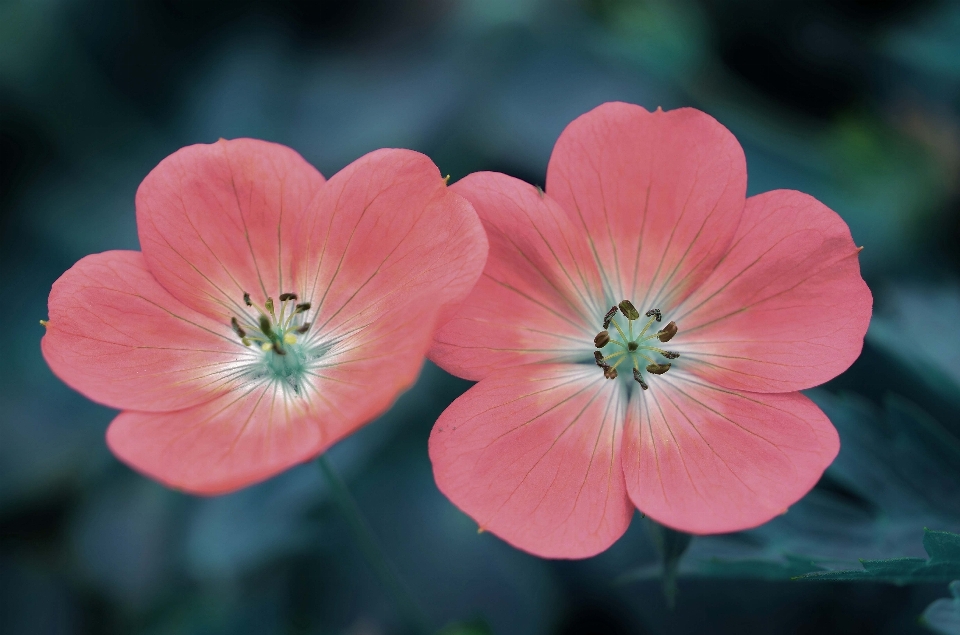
(367, 543)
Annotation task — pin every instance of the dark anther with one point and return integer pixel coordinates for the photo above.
(602, 339)
(300, 308)
(610, 372)
(608, 317)
(666, 333)
(236, 327)
(304, 328)
(629, 311)
(654, 313)
(287, 296)
(670, 355)
(639, 379)
(658, 369)
(599, 357)
(265, 325)
(246, 299)
(632, 346)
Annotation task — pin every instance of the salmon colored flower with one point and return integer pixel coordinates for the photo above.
(270, 313)
(639, 334)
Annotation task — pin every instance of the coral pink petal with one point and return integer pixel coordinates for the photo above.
(659, 194)
(706, 460)
(219, 220)
(121, 339)
(539, 297)
(265, 427)
(786, 309)
(384, 230)
(533, 455)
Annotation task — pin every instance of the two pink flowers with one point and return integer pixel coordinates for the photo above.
(638, 331)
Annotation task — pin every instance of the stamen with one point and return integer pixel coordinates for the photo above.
(287, 296)
(639, 379)
(237, 328)
(669, 354)
(290, 338)
(304, 328)
(608, 317)
(629, 311)
(265, 325)
(246, 299)
(602, 339)
(658, 369)
(300, 308)
(655, 313)
(610, 372)
(666, 333)
(597, 355)
(266, 346)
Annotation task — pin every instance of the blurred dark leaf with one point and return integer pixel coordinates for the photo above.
(943, 565)
(907, 311)
(943, 616)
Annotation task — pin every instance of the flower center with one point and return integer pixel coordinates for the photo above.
(634, 349)
(276, 331)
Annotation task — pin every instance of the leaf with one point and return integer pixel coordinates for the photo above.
(943, 616)
(934, 359)
(943, 565)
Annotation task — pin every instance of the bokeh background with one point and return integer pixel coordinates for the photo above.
(855, 101)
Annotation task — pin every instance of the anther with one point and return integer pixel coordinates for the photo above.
(597, 355)
(666, 333)
(608, 317)
(265, 325)
(287, 296)
(602, 339)
(658, 369)
(269, 305)
(289, 338)
(304, 328)
(610, 372)
(655, 313)
(300, 308)
(237, 328)
(632, 346)
(246, 299)
(629, 311)
(670, 355)
(639, 379)
(266, 346)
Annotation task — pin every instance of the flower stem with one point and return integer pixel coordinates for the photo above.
(368, 544)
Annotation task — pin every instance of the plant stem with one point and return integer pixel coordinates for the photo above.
(367, 542)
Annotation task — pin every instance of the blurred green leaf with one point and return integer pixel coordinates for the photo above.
(471, 627)
(943, 616)
(943, 547)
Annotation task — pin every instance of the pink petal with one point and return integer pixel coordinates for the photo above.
(533, 455)
(706, 460)
(659, 194)
(264, 426)
(384, 230)
(786, 308)
(121, 339)
(538, 298)
(219, 220)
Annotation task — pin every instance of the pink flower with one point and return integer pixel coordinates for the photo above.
(270, 313)
(693, 415)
